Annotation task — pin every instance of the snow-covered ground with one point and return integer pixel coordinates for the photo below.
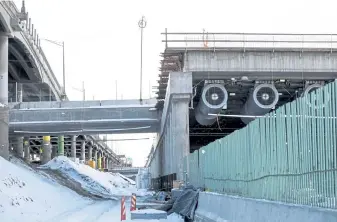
(32, 196)
(27, 196)
(104, 184)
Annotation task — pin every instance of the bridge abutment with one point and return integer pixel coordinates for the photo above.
(4, 112)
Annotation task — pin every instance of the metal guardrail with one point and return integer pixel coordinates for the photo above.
(249, 40)
(47, 72)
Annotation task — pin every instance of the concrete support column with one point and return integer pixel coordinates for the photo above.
(60, 146)
(180, 134)
(26, 149)
(46, 150)
(53, 151)
(90, 153)
(99, 160)
(73, 147)
(175, 148)
(107, 163)
(95, 158)
(18, 147)
(19, 92)
(82, 151)
(4, 112)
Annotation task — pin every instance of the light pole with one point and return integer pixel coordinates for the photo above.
(61, 44)
(142, 25)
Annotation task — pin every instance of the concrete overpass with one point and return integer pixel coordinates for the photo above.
(241, 74)
(30, 76)
(26, 76)
(88, 117)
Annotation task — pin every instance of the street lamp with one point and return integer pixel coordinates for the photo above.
(142, 25)
(61, 44)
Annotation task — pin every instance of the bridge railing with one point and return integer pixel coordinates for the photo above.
(289, 155)
(217, 40)
(34, 45)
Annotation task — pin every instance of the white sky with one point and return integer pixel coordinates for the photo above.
(102, 38)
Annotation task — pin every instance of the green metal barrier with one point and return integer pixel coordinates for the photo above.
(289, 155)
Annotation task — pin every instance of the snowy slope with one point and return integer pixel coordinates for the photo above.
(28, 196)
(103, 184)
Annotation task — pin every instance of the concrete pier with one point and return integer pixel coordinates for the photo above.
(99, 160)
(4, 143)
(60, 146)
(95, 157)
(82, 151)
(53, 151)
(26, 149)
(171, 154)
(46, 150)
(90, 152)
(73, 146)
(18, 146)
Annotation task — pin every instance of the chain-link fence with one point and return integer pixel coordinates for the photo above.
(288, 155)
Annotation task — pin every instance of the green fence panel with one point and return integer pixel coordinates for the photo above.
(289, 155)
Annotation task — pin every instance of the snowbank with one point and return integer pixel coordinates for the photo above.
(28, 196)
(103, 184)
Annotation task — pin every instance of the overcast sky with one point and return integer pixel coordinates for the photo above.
(102, 38)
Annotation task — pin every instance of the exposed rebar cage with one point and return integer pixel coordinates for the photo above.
(213, 99)
(261, 100)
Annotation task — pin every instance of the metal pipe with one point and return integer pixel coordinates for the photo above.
(213, 99)
(261, 100)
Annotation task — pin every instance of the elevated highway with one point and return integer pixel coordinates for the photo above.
(88, 117)
(30, 76)
(26, 76)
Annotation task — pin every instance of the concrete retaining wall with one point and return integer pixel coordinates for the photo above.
(223, 208)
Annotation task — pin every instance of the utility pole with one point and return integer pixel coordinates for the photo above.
(142, 25)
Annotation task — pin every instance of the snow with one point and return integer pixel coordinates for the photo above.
(28, 196)
(104, 184)
(2, 105)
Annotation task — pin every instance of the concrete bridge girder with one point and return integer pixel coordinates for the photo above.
(262, 65)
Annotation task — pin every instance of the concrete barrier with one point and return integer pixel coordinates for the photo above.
(222, 208)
